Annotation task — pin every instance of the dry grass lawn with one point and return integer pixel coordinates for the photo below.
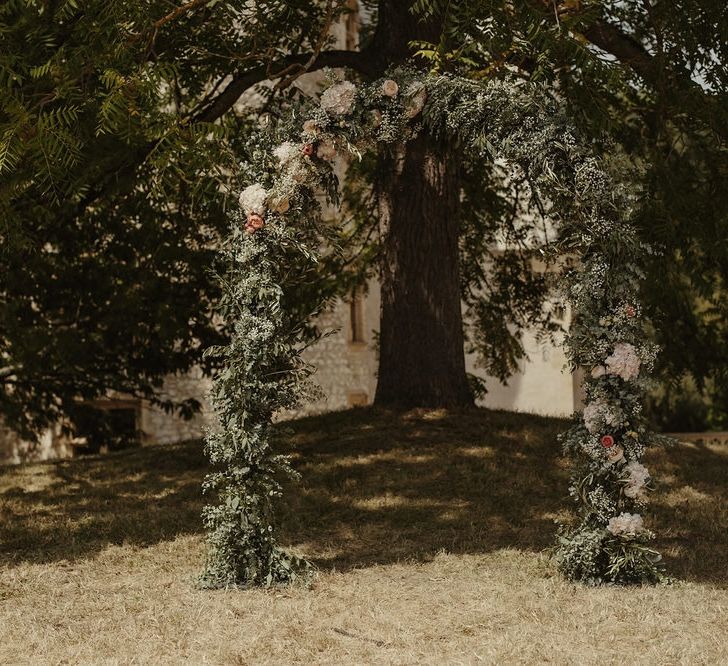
(428, 530)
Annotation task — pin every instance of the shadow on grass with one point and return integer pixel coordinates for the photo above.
(689, 511)
(377, 487)
(467, 482)
(75, 508)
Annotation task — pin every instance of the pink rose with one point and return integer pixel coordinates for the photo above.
(390, 88)
(598, 371)
(254, 223)
(607, 441)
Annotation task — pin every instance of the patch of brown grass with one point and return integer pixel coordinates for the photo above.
(427, 529)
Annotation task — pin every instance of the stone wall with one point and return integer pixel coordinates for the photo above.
(346, 372)
(345, 369)
(159, 427)
(50, 445)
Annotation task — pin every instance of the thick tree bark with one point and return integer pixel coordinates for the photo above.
(421, 362)
(421, 356)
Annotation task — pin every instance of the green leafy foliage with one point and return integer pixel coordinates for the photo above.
(653, 77)
(591, 202)
(115, 174)
(119, 141)
(267, 269)
(263, 375)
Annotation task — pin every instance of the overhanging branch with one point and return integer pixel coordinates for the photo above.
(224, 101)
(631, 53)
(241, 82)
(626, 49)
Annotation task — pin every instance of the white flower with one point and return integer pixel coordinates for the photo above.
(625, 523)
(615, 454)
(592, 413)
(624, 361)
(252, 199)
(286, 152)
(310, 127)
(326, 150)
(339, 98)
(390, 88)
(292, 162)
(416, 98)
(376, 118)
(638, 476)
(598, 415)
(638, 472)
(281, 204)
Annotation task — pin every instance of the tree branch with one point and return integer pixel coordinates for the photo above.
(177, 12)
(223, 102)
(606, 36)
(630, 52)
(241, 82)
(626, 49)
(298, 70)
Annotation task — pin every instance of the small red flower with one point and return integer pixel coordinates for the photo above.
(630, 310)
(607, 441)
(307, 149)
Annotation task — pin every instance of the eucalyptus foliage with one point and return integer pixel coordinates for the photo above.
(590, 204)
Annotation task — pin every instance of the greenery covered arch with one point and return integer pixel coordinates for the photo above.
(272, 250)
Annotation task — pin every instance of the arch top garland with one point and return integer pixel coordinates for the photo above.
(272, 248)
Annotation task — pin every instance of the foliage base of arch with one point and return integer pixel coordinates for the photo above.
(272, 251)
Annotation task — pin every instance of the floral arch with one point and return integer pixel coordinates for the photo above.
(273, 245)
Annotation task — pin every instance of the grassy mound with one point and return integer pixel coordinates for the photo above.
(427, 528)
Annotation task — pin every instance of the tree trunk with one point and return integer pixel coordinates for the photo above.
(421, 357)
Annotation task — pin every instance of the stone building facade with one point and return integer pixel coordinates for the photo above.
(346, 362)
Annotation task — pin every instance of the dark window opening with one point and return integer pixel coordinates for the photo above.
(106, 426)
(356, 317)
